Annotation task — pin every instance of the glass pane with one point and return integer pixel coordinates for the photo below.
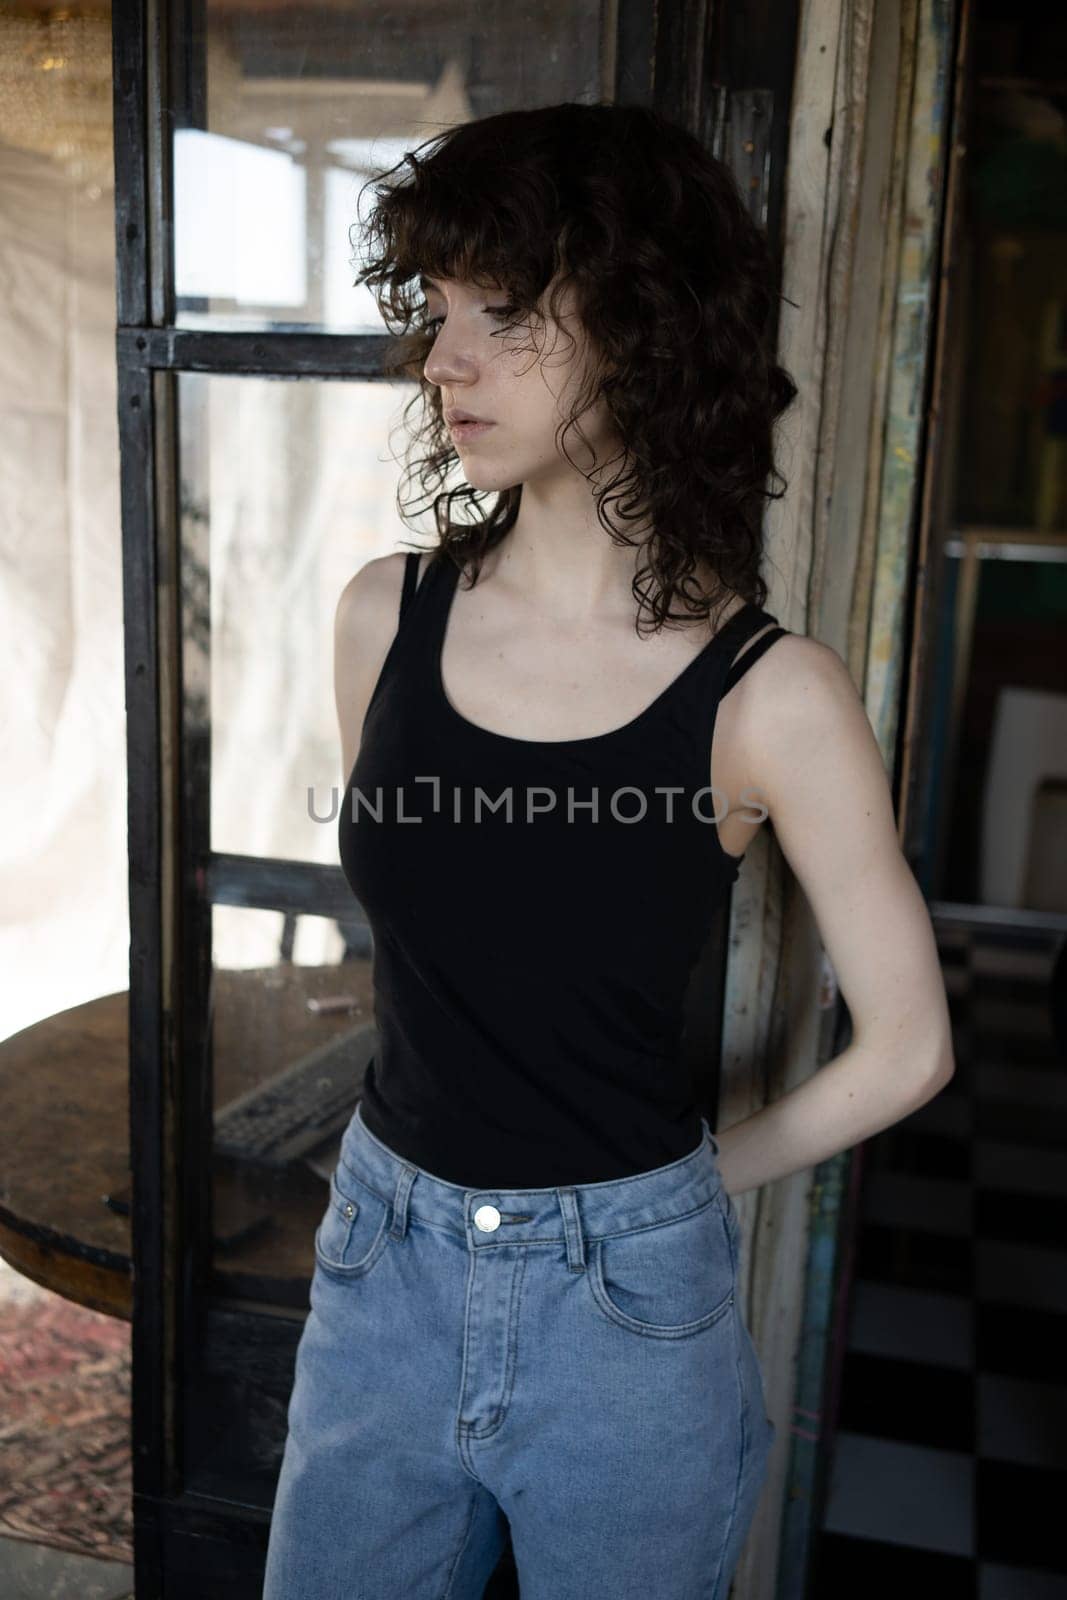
(303, 104)
(287, 489)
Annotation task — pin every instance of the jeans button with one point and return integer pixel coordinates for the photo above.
(487, 1218)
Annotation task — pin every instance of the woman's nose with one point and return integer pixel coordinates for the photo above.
(447, 365)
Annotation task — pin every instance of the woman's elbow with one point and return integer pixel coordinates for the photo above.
(933, 1063)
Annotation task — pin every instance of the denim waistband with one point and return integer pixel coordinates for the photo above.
(533, 1216)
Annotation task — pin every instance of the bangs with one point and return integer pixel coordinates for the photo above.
(458, 214)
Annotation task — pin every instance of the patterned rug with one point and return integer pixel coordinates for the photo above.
(65, 1478)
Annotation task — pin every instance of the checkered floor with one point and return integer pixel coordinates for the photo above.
(949, 1471)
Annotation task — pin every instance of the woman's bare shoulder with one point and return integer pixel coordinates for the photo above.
(793, 651)
(365, 605)
(798, 691)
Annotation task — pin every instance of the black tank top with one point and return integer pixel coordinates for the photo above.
(536, 910)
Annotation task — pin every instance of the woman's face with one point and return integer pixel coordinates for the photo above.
(523, 380)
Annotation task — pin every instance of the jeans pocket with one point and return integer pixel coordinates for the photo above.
(353, 1232)
(668, 1281)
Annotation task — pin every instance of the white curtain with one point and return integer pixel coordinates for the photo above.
(63, 909)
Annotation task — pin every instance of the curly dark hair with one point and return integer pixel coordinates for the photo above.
(673, 283)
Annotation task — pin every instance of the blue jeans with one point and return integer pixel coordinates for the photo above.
(569, 1361)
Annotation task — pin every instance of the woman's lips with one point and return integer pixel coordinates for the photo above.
(462, 431)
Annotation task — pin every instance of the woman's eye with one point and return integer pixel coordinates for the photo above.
(433, 323)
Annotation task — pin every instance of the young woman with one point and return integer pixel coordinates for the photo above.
(524, 1306)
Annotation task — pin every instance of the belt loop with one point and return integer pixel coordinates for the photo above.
(572, 1229)
(399, 1224)
(709, 1135)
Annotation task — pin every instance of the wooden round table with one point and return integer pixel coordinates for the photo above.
(64, 1111)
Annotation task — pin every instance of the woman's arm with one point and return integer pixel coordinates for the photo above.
(819, 772)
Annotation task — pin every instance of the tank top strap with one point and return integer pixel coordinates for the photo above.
(412, 639)
(425, 594)
(424, 606)
(716, 671)
(429, 590)
(732, 637)
(410, 580)
(738, 667)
